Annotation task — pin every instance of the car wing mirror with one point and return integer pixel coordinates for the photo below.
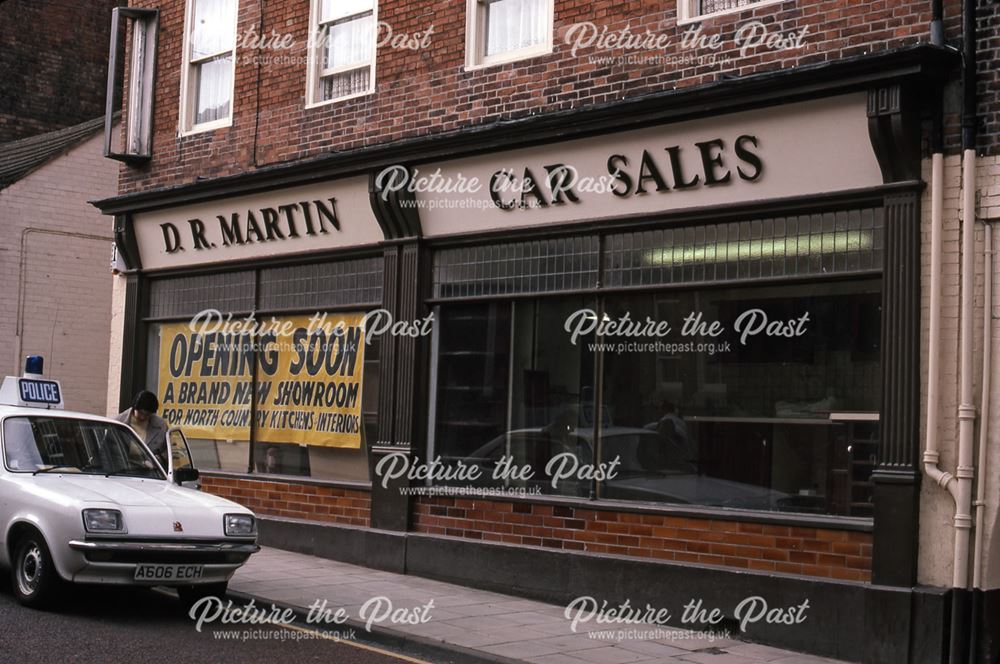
(179, 462)
(183, 475)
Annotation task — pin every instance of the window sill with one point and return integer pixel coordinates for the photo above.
(329, 102)
(289, 479)
(513, 56)
(207, 127)
(827, 522)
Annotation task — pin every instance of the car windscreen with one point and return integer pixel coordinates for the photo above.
(42, 444)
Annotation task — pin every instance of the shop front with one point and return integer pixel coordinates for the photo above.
(653, 361)
(250, 330)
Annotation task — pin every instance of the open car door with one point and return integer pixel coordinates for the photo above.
(181, 470)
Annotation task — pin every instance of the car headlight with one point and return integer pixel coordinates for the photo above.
(240, 525)
(103, 521)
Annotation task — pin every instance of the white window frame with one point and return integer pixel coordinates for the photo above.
(475, 38)
(187, 111)
(686, 10)
(314, 74)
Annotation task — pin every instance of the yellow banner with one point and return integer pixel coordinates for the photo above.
(309, 380)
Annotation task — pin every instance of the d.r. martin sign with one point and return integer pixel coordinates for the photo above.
(295, 220)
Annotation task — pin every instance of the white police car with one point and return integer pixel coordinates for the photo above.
(83, 500)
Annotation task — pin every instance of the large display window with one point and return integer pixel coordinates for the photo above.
(273, 392)
(728, 365)
(305, 399)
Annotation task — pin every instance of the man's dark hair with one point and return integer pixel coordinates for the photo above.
(146, 401)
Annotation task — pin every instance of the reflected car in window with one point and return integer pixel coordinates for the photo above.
(650, 467)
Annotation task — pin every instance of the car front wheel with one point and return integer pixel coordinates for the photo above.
(34, 575)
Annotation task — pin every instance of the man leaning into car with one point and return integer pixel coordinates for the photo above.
(151, 427)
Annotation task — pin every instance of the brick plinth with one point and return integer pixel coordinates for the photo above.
(294, 500)
(817, 552)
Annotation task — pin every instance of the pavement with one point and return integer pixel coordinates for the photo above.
(469, 625)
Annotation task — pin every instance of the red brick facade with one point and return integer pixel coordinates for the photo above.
(817, 552)
(294, 500)
(53, 64)
(988, 76)
(420, 92)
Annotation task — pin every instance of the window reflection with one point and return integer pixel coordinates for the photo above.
(766, 421)
(757, 425)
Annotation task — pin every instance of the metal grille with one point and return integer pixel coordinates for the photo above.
(355, 281)
(812, 244)
(538, 266)
(186, 296)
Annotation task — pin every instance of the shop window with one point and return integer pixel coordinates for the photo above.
(208, 74)
(304, 394)
(473, 378)
(696, 10)
(343, 50)
(139, 28)
(509, 387)
(316, 400)
(501, 31)
(763, 394)
(750, 418)
(202, 385)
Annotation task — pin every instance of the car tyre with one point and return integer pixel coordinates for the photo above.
(33, 574)
(190, 595)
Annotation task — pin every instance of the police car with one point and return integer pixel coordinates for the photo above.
(83, 500)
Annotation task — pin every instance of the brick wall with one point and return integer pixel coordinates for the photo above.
(428, 91)
(814, 552)
(55, 251)
(988, 76)
(294, 500)
(53, 64)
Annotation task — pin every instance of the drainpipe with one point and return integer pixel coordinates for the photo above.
(960, 623)
(966, 416)
(984, 427)
(931, 455)
(937, 22)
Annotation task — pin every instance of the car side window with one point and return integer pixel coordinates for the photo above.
(180, 456)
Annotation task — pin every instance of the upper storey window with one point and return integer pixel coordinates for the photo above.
(501, 31)
(696, 10)
(343, 50)
(209, 64)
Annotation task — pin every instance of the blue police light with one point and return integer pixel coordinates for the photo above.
(34, 364)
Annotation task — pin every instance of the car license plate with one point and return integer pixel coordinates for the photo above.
(147, 572)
